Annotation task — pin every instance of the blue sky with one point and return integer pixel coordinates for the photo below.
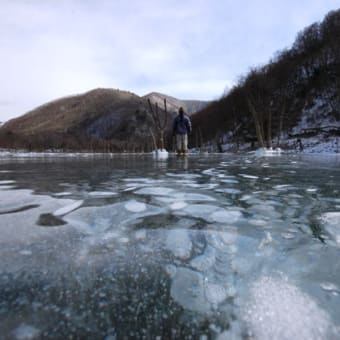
(189, 49)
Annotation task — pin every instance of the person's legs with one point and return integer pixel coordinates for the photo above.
(185, 143)
(182, 144)
(178, 143)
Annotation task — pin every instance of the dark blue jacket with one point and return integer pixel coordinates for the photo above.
(182, 125)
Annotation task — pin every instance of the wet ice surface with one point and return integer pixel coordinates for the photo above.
(218, 247)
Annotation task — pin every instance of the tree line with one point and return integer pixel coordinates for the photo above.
(268, 101)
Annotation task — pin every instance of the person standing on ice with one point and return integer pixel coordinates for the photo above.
(181, 129)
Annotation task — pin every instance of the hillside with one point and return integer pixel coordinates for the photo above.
(296, 96)
(173, 104)
(99, 120)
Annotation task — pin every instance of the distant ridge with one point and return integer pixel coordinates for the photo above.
(173, 104)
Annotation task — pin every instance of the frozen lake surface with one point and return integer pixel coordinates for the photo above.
(205, 247)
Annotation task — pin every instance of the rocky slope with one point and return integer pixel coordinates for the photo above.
(173, 104)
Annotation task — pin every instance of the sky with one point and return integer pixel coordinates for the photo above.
(189, 49)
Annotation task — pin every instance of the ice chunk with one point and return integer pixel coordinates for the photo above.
(123, 240)
(248, 176)
(110, 337)
(277, 309)
(182, 196)
(266, 240)
(171, 270)
(268, 152)
(210, 172)
(68, 208)
(111, 235)
(4, 182)
(184, 176)
(312, 189)
(201, 210)
(194, 197)
(160, 154)
(25, 252)
(284, 187)
(215, 293)
(205, 261)
(26, 332)
(229, 191)
(187, 289)
(246, 197)
(258, 222)
(179, 243)
(230, 181)
(203, 186)
(229, 236)
(140, 234)
(135, 206)
(142, 181)
(157, 191)
(331, 222)
(288, 236)
(329, 286)
(265, 210)
(178, 205)
(226, 216)
(104, 218)
(234, 332)
(61, 194)
(102, 194)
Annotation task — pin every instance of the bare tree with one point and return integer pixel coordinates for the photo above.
(159, 124)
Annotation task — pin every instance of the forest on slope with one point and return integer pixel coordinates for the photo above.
(267, 103)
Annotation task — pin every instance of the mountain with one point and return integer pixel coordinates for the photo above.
(173, 104)
(101, 119)
(292, 100)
